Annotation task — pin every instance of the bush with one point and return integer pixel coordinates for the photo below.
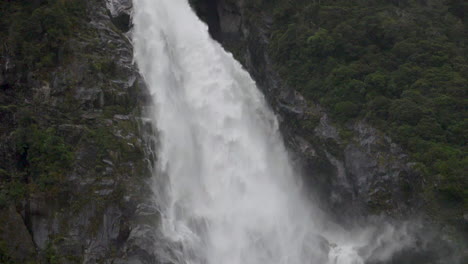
(35, 30)
(379, 108)
(405, 111)
(346, 110)
(47, 157)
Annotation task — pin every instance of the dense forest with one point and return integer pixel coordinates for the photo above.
(36, 31)
(399, 65)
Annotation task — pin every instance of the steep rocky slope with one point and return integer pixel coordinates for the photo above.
(74, 158)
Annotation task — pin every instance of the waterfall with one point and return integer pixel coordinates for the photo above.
(232, 196)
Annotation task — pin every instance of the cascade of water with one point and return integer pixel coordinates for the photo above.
(232, 194)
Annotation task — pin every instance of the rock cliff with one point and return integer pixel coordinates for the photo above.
(74, 155)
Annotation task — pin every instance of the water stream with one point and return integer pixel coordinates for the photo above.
(232, 194)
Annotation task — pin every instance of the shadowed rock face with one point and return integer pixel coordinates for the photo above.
(208, 10)
(19, 244)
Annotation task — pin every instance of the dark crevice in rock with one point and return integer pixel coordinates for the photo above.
(119, 12)
(122, 21)
(5, 86)
(22, 159)
(208, 11)
(26, 217)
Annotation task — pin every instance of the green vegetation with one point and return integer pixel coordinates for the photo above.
(401, 65)
(4, 255)
(51, 254)
(34, 35)
(47, 123)
(36, 31)
(48, 156)
(44, 159)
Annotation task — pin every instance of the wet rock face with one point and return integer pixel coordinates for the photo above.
(120, 12)
(362, 173)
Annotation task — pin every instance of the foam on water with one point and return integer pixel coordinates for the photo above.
(232, 194)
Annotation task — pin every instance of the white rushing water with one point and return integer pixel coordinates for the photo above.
(232, 196)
